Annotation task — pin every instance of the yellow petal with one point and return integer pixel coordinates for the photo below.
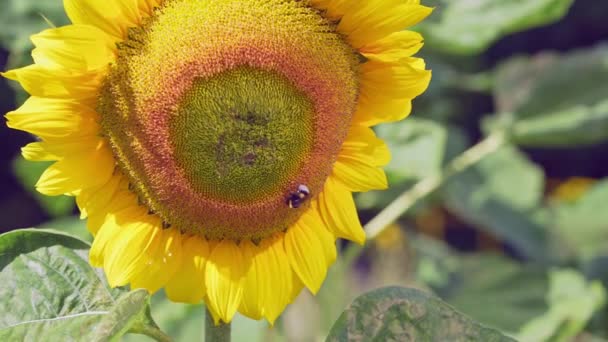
(77, 172)
(188, 284)
(147, 6)
(121, 210)
(359, 176)
(269, 283)
(224, 277)
(338, 211)
(161, 262)
(112, 16)
(310, 249)
(387, 90)
(96, 207)
(78, 47)
(394, 48)
(54, 118)
(126, 255)
(95, 203)
(373, 20)
(38, 151)
(334, 9)
(359, 164)
(44, 82)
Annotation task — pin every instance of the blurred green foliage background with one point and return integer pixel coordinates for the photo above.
(518, 241)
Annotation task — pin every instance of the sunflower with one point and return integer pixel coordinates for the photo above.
(214, 145)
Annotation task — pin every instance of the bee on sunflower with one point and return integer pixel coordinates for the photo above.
(214, 145)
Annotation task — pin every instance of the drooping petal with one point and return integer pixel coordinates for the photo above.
(338, 211)
(224, 277)
(125, 255)
(161, 262)
(188, 283)
(269, 283)
(310, 249)
(122, 209)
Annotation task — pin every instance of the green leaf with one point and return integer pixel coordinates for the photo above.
(401, 314)
(71, 225)
(49, 290)
(582, 225)
(417, 148)
(572, 302)
(490, 288)
(496, 291)
(554, 100)
(28, 174)
(501, 194)
(471, 26)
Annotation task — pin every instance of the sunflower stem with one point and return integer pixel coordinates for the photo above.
(216, 333)
(424, 188)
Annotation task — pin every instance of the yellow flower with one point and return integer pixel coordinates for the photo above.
(214, 145)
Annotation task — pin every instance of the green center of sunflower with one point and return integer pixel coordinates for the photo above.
(240, 135)
(227, 116)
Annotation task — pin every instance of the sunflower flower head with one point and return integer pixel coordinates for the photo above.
(214, 145)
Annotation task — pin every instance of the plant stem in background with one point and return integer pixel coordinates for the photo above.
(216, 333)
(424, 188)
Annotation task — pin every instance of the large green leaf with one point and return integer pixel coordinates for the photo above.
(471, 26)
(572, 302)
(49, 291)
(501, 194)
(402, 314)
(28, 173)
(555, 100)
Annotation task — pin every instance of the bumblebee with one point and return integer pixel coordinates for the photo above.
(298, 197)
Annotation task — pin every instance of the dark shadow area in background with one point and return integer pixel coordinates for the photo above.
(18, 209)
